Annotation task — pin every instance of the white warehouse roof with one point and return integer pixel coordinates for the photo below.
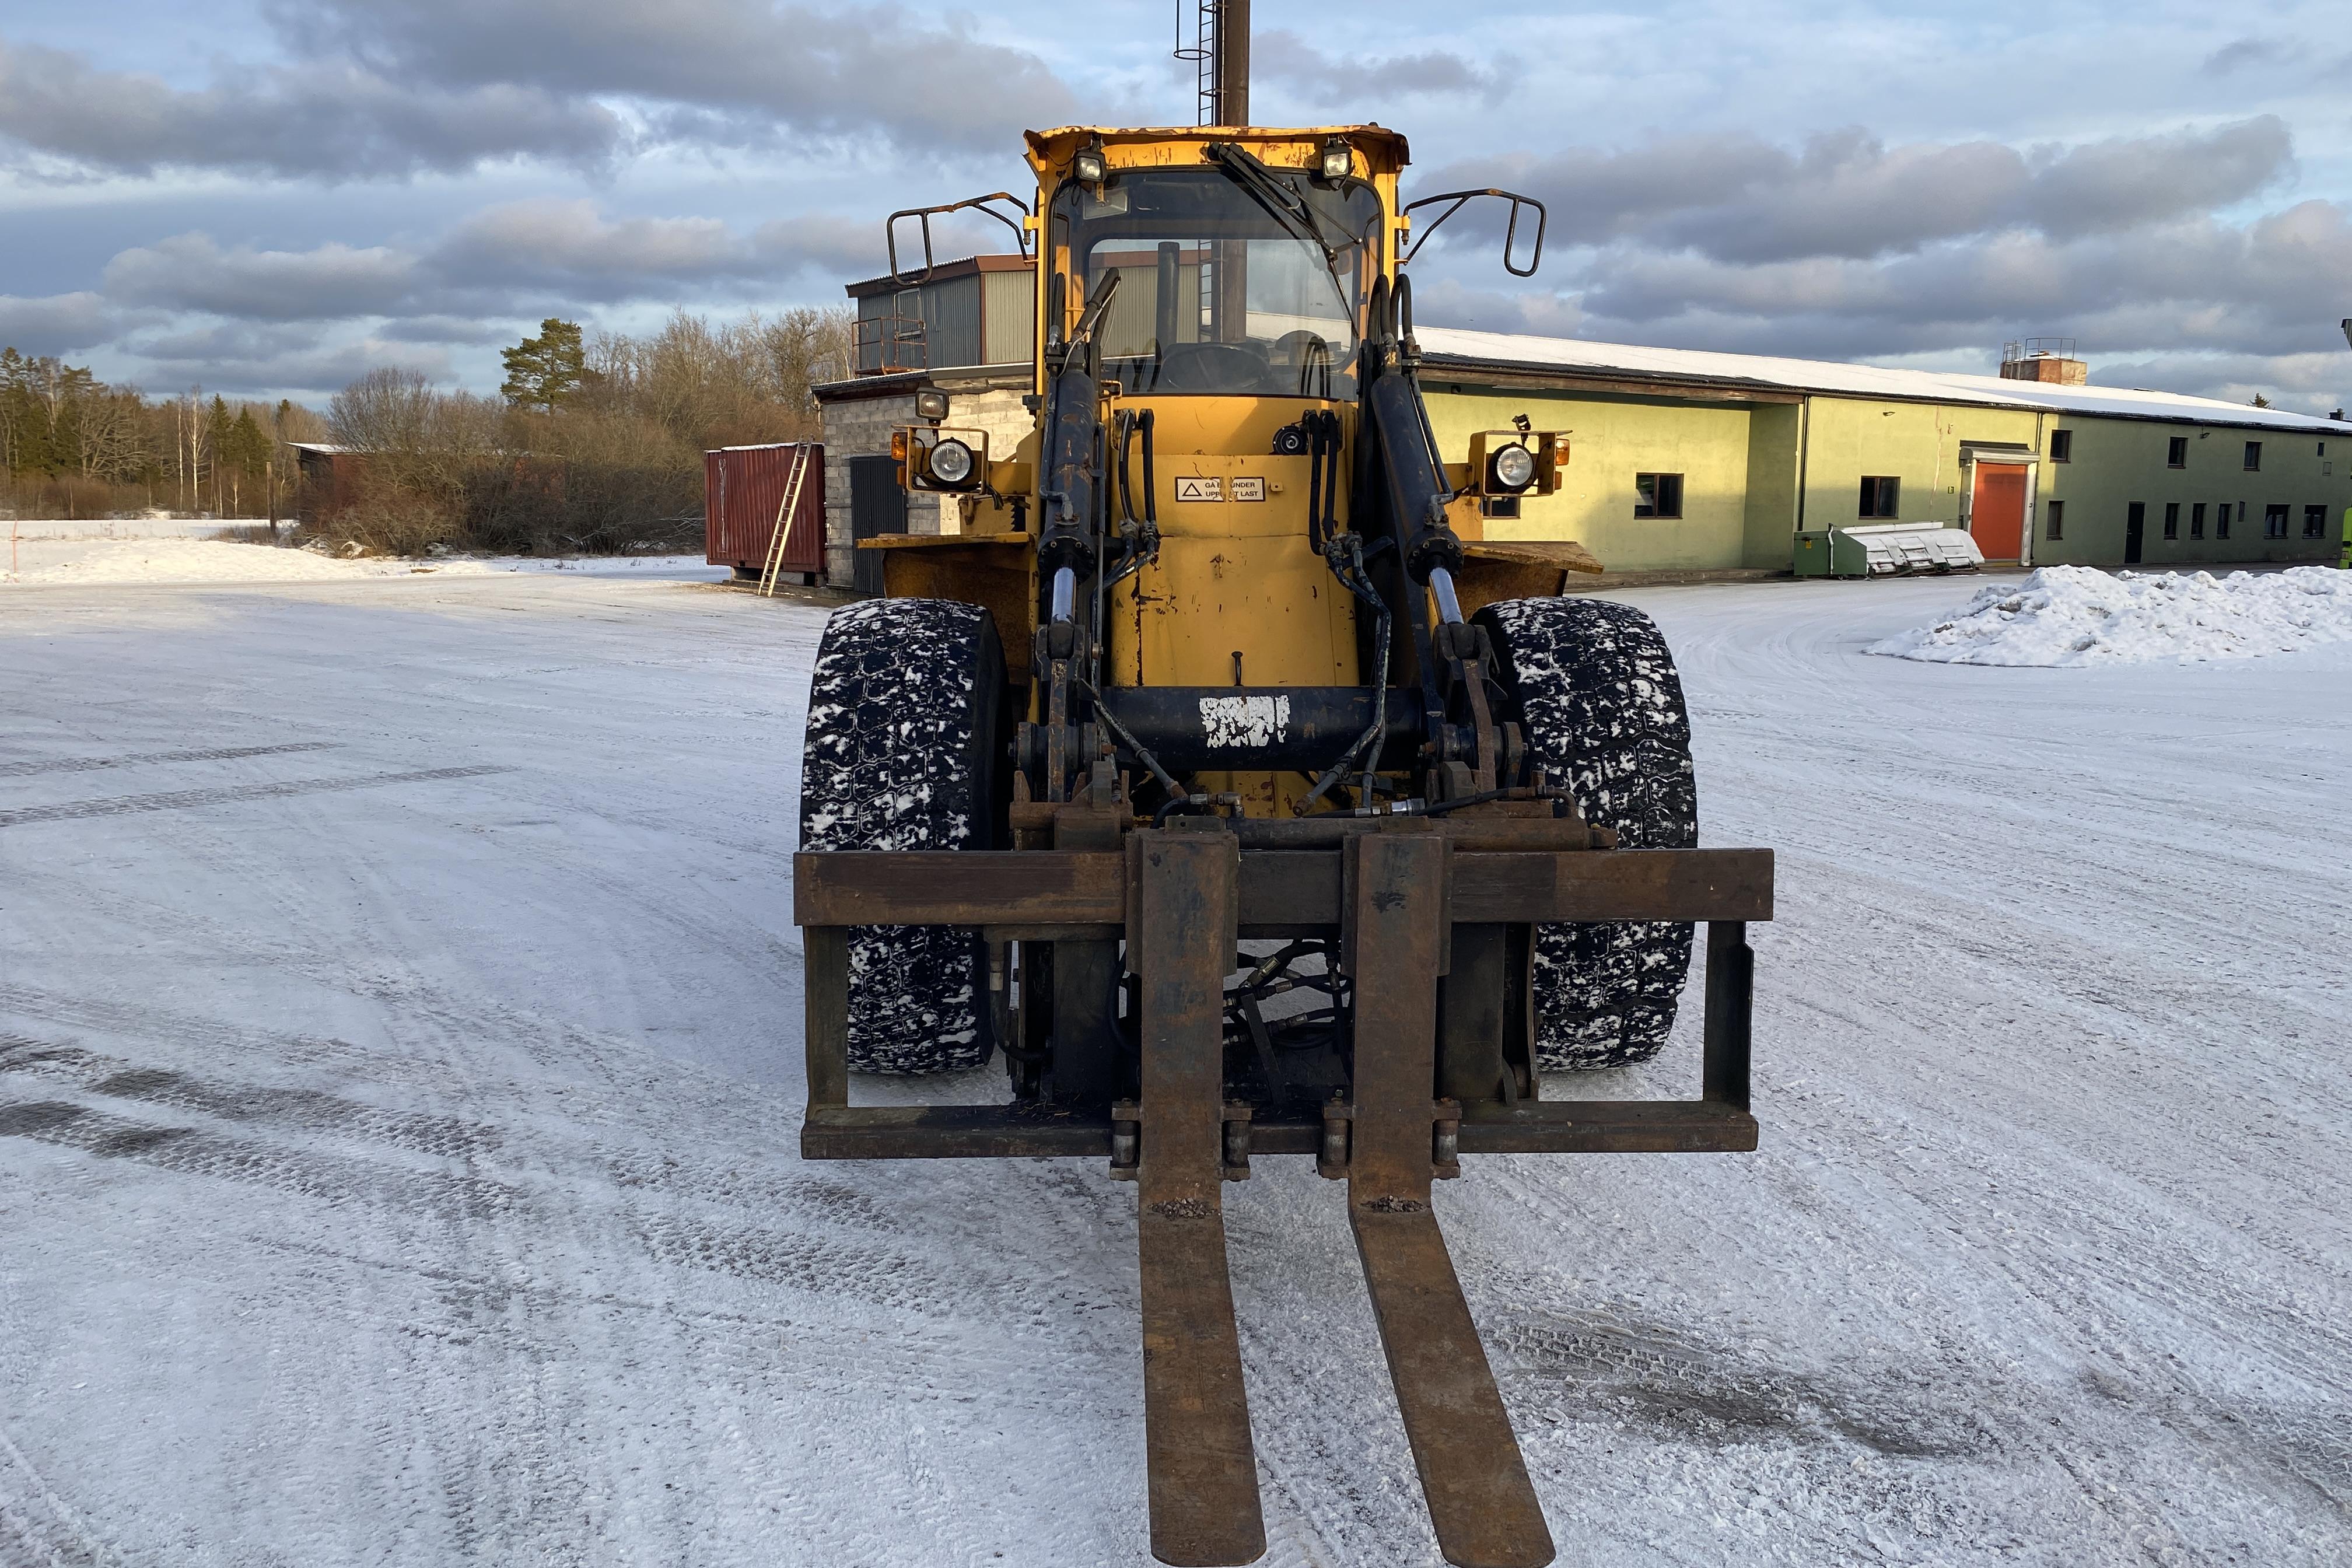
(1699, 366)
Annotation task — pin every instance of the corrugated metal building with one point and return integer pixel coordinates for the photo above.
(1691, 460)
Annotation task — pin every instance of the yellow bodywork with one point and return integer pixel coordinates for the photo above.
(1238, 596)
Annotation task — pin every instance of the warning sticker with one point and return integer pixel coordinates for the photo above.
(1193, 487)
(1248, 489)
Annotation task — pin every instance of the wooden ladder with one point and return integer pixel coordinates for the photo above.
(785, 513)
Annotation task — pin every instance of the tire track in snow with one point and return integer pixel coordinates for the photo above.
(38, 1529)
(186, 799)
(193, 1151)
(310, 1111)
(209, 755)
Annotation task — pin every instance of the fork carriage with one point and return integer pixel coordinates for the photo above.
(1426, 922)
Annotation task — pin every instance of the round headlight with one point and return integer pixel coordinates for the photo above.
(951, 462)
(1514, 467)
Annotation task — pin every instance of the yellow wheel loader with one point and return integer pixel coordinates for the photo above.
(1224, 780)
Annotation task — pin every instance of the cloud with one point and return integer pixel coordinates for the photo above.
(249, 356)
(2195, 285)
(332, 120)
(191, 272)
(1318, 78)
(2247, 52)
(516, 259)
(568, 244)
(395, 89)
(2103, 187)
(745, 72)
(56, 322)
(1847, 194)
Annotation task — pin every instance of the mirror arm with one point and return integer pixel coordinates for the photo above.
(925, 215)
(1510, 234)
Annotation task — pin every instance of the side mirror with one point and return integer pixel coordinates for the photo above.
(1510, 234)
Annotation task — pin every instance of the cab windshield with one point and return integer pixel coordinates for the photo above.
(1221, 291)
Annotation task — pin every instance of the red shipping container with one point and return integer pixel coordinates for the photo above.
(744, 491)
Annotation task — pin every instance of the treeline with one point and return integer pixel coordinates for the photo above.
(73, 446)
(594, 444)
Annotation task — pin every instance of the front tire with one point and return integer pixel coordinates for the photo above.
(1594, 690)
(902, 753)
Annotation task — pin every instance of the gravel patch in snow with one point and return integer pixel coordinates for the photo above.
(2074, 615)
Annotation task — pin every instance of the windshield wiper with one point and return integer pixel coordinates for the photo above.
(1286, 206)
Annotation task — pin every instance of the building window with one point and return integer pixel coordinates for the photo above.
(2061, 446)
(2176, 453)
(2274, 522)
(2055, 511)
(1881, 496)
(2315, 522)
(2172, 519)
(2197, 520)
(2254, 456)
(2221, 520)
(1657, 495)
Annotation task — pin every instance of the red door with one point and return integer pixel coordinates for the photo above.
(1996, 515)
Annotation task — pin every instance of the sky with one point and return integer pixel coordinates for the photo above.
(270, 199)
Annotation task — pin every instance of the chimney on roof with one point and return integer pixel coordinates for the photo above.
(2043, 359)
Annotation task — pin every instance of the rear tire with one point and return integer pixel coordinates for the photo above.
(1594, 690)
(901, 754)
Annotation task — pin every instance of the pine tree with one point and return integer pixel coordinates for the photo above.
(216, 450)
(542, 372)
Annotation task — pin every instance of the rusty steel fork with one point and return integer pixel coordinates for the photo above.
(1471, 1473)
(1388, 1143)
(1204, 1466)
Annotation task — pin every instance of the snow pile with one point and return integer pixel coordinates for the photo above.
(209, 561)
(58, 562)
(148, 526)
(2072, 616)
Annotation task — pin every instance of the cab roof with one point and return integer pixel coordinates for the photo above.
(1386, 149)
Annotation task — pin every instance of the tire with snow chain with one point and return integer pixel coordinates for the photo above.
(1597, 698)
(902, 754)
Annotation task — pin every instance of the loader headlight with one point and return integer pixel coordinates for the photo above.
(951, 462)
(1512, 467)
(1339, 161)
(1086, 168)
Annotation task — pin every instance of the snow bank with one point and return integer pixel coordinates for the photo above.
(2072, 616)
(143, 527)
(207, 561)
(57, 563)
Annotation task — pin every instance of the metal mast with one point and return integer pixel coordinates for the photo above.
(1220, 56)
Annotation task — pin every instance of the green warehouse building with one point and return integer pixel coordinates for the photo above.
(1685, 460)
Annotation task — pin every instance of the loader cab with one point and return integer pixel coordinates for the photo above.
(1242, 261)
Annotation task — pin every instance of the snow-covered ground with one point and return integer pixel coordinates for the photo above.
(165, 560)
(2067, 616)
(399, 1076)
